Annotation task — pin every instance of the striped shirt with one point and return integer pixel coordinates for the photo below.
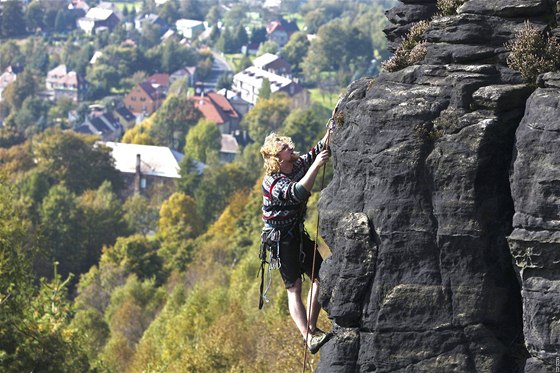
(284, 201)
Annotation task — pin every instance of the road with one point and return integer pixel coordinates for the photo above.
(219, 68)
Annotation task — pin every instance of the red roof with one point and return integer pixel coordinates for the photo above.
(159, 79)
(215, 107)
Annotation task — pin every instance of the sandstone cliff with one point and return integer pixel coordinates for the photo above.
(443, 215)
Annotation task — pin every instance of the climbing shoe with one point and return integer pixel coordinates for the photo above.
(316, 341)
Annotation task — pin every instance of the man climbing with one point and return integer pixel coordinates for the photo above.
(289, 178)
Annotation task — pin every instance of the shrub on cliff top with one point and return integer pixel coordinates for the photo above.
(449, 7)
(411, 50)
(533, 53)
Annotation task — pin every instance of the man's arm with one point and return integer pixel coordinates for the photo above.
(308, 179)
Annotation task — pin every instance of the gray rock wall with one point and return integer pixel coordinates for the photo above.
(420, 208)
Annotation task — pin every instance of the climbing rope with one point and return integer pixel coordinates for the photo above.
(330, 126)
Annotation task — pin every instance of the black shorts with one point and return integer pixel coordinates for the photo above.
(296, 262)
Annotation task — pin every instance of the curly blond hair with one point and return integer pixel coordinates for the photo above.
(270, 150)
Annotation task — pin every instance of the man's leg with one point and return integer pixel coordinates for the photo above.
(297, 310)
(313, 305)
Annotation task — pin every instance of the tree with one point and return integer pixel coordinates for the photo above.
(214, 15)
(268, 47)
(295, 50)
(32, 117)
(191, 9)
(240, 37)
(203, 140)
(140, 215)
(339, 46)
(266, 116)
(103, 220)
(265, 90)
(178, 218)
(136, 254)
(190, 176)
(258, 35)
(62, 231)
(13, 20)
(34, 16)
(305, 127)
(74, 160)
(173, 120)
(24, 86)
(10, 54)
(217, 185)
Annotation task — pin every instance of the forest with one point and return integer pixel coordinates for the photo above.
(163, 281)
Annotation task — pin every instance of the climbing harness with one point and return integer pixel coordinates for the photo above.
(270, 244)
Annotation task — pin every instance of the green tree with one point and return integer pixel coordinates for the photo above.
(132, 309)
(305, 127)
(266, 116)
(174, 56)
(240, 37)
(173, 120)
(295, 50)
(74, 160)
(339, 46)
(236, 15)
(10, 54)
(24, 86)
(268, 47)
(258, 35)
(62, 229)
(217, 186)
(32, 117)
(265, 90)
(13, 20)
(34, 15)
(140, 216)
(203, 141)
(191, 9)
(178, 219)
(136, 254)
(190, 176)
(49, 18)
(103, 221)
(214, 15)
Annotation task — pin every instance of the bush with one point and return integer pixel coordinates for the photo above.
(449, 7)
(412, 49)
(533, 53)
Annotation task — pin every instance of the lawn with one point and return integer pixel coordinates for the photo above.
(129, 4)
(326, 99)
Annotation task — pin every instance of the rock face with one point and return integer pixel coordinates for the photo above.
(424, 199)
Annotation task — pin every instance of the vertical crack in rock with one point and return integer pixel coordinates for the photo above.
(420, 208)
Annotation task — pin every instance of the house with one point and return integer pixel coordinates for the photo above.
(240, 105)
(98, 18)
(229, 148)
(216, 108)
(187, 72)
(248, 84)
(62, 83)
(8, 77)
(160, 82)
(78, 4)
(189, 28)
(274, 64)
(125, 117)
(145, 167)
(152, 19)
(280, 31)
(104, 125)
(143, 99)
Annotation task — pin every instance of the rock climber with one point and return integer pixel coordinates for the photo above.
(287, 184)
